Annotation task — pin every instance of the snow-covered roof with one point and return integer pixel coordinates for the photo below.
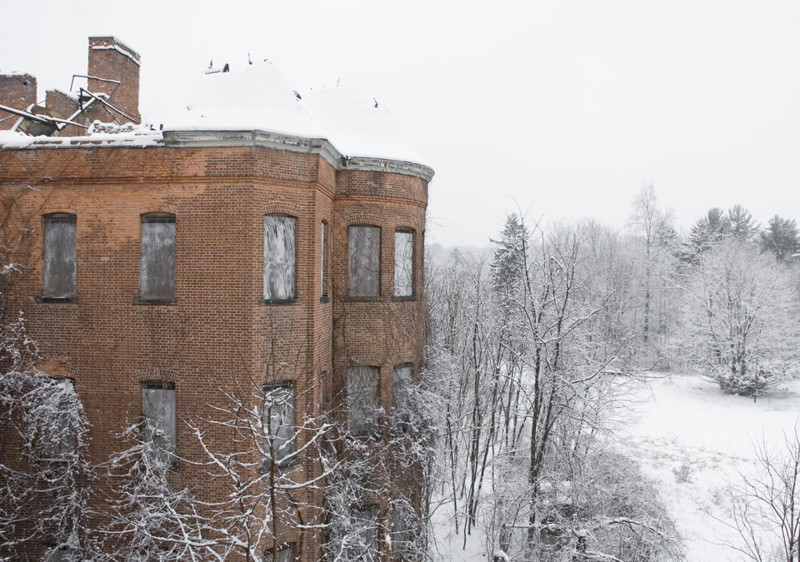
(258, 98)
(257, 106)
(132, 136)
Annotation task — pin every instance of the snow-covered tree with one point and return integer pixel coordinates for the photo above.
(378, 484)
(766, 504)
(781, 238)
(740, 319)
(44, 473)
(528, 379)
(658, 238)
(149, 517)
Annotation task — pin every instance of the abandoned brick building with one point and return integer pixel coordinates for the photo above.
(255, 243)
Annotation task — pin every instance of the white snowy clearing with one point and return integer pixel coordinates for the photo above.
(693, 442)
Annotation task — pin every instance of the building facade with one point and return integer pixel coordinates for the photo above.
(164, 272)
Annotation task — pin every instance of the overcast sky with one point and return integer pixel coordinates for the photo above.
(563, 108)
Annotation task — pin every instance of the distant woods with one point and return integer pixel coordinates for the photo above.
(535, 345)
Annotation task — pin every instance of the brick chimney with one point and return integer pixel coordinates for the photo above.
(17, 91)
(111, 59)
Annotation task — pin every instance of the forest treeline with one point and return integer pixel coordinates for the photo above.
(535, 347)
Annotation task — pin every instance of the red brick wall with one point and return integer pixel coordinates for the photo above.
(218, 335)
(111, 59)
(17, 91)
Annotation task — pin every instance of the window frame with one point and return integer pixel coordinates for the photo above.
(324, 262)
(49, 293)
(354, 279)
(367, 525)
(411, 286)
(149, 263)
(369, 426)
(149, 424)
(290, 458)
(292, 298)
(61, 451)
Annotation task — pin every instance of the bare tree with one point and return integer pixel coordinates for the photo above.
(766, 504)
(655, 226)
(531, 368)
(46, 478)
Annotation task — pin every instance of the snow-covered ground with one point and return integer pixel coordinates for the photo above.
(693, 441)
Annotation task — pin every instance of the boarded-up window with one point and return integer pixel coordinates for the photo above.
(285, 554)
(401, 386)
(322, 259)
(402, 537)
(365, 535)
(362, 399)
(401, 399)
(279, 421)
(158, 412)
(279, 257)
(365, 261)
(60, 248)
(157, 277)
(57, 421)
(403, 263)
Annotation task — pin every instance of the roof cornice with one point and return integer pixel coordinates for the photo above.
(291, 143)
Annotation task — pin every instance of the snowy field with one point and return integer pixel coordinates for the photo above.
(693, 441)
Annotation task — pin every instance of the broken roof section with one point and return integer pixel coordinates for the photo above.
(258, 98)
(111, 95)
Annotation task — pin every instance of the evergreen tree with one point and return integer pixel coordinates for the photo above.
(781, 238)
(508, 265)
(709, 230)
(741, 222)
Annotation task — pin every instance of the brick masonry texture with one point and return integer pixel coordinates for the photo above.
(17, 91)
(218, 335)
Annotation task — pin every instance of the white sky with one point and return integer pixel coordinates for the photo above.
(565, 108)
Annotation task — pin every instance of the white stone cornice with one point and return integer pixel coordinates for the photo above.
(277, 141)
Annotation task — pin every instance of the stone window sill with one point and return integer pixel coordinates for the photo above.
(363, 299)
(57, 299)
(277, 302)
(155, 301)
